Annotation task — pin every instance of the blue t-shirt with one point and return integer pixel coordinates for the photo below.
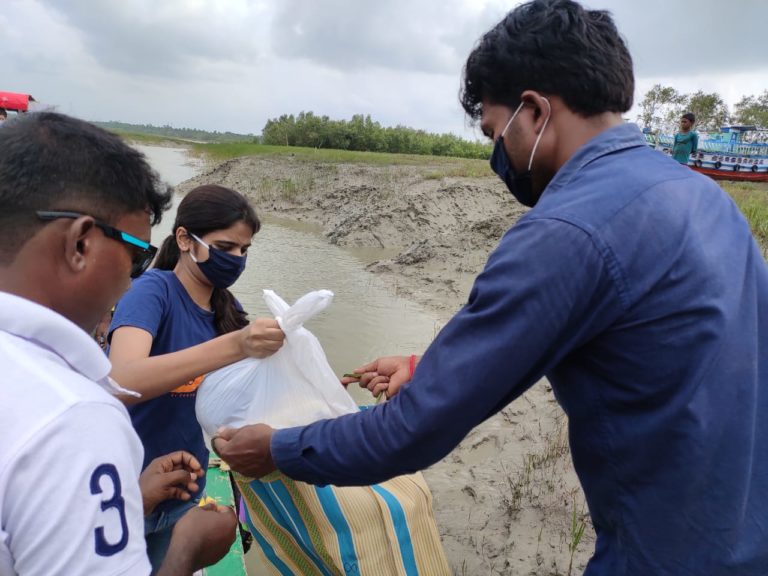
(158, 303)
(636, 286)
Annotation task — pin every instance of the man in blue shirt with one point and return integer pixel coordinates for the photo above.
(633, 284)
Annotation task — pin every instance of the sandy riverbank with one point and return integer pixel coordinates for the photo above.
(504, 499)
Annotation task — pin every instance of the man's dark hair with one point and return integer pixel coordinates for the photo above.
(690, 116)
(3, 113)
(556, 47)
(54, 162)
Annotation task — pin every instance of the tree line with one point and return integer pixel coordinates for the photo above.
(192, 134)
(660, 110)
(361, 133)
(662, 107)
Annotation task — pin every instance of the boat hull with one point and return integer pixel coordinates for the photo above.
(741, 176)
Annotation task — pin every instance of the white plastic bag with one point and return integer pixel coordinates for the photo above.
(293, 387)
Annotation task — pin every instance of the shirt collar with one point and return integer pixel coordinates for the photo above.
(621, 137)
(52, 331)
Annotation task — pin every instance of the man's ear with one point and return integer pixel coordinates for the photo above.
(539, 105)
(79, 242)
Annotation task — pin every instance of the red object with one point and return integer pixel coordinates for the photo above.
(740, 176)
(411, 365)
(14, 101)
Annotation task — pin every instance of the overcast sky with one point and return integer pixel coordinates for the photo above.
(233, 64)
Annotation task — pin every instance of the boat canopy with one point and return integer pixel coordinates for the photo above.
(15, 101)
(737, 129)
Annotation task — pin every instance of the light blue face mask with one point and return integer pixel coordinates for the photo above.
(519, 185)
(222, 269)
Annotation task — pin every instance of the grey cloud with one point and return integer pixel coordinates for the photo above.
(431, 36)
(691, 37)
(666, 37)
(163, 39)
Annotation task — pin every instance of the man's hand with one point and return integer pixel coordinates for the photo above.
(202, 537)
(246, 449)
(386, 374)
(170, 476)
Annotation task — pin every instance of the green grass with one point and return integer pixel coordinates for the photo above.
(436, 167)
(752, 200)
(440, 166)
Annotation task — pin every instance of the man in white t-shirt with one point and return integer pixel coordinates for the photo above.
(76, 205)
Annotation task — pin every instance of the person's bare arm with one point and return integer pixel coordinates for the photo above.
(152, 376)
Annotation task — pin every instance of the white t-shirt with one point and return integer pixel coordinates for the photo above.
(69, 458)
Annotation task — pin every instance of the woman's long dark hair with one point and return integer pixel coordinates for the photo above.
(203, 210)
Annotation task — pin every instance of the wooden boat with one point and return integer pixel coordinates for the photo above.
(738, 153)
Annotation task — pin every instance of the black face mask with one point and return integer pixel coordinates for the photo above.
(519, 184)
(221, 269)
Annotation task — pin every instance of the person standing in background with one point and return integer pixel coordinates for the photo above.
(687, 140)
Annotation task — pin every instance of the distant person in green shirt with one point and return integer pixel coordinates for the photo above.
(687, 140)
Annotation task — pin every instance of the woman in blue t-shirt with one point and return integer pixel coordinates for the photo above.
(177, 322)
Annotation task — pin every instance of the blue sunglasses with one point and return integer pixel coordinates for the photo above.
(142, 253)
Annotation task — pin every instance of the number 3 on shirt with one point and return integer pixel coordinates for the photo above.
(103, 547)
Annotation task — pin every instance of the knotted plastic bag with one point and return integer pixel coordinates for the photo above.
(293, 387)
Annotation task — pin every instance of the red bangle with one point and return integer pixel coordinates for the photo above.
(411, 365)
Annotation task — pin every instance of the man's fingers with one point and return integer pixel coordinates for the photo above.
(373, 382)
(177, 478)
(181, 460)
(226, 433)
(221, 438)
(179, 494)
(370, 367)
(380, 388)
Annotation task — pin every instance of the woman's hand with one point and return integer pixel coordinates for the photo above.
(261, 338)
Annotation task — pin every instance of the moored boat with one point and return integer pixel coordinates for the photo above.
(737, 153)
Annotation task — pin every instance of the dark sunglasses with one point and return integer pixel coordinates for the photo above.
(142, 253)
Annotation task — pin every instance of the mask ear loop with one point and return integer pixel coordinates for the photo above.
(536, 144)
(510, 120)
(194, 237)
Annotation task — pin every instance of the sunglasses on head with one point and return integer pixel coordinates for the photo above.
(142, 253)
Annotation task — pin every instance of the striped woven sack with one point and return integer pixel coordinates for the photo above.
(380, 530)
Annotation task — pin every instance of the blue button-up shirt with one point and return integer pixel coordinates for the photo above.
(636, 287)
